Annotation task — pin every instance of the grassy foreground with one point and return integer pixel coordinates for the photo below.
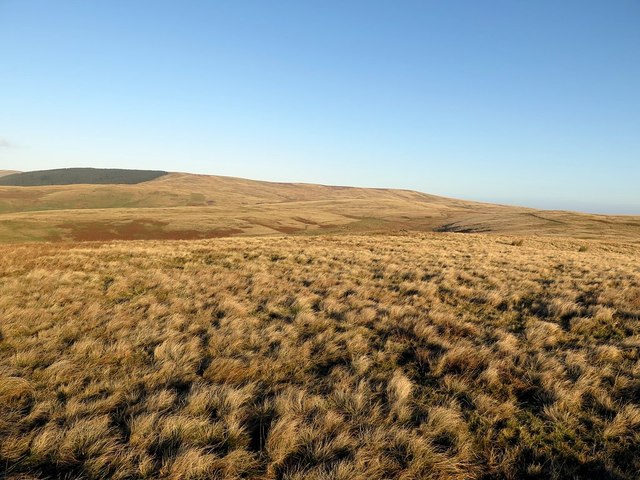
(355, 357)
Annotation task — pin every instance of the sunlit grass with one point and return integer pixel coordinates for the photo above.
(354, 357)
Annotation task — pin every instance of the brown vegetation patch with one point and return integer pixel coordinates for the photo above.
(140, 230)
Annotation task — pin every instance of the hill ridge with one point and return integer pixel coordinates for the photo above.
(191, 206)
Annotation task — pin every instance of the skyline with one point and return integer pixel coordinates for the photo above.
(524, 104)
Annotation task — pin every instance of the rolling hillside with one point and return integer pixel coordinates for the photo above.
(187, 206)
(285, 354)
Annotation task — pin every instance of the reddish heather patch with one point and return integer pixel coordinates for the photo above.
(140, 230)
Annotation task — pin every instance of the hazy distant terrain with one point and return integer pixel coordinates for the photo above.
(186, 206)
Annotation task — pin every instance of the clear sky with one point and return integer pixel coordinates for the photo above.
(525, 102)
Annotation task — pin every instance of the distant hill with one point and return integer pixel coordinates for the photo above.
(7, 172)
(77, 176)
(187, 206)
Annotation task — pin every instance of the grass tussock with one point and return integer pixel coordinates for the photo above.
(354, 357)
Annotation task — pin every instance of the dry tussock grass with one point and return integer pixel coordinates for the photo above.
(355, 357)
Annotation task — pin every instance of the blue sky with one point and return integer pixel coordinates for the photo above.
(525, 102)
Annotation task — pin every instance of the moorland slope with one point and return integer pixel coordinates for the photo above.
(186, 206)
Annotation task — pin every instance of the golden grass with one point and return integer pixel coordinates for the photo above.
(348, 357)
